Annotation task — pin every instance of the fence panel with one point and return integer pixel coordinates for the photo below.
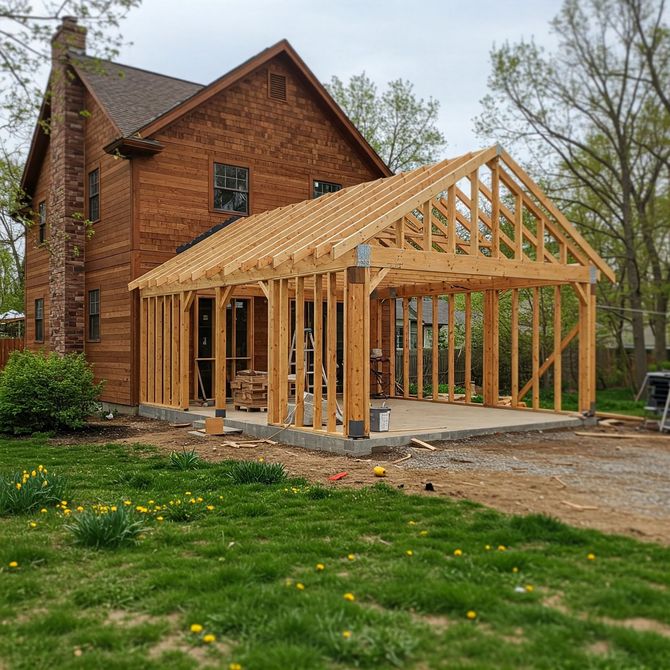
(7, 345)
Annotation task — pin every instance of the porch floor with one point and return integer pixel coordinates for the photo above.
(409, 418)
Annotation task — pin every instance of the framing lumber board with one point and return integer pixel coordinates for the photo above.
(174, 393)
(220, 349)
(514, 331)
(144, 344)
(451, 219)
(415, 441)
(435, 361)
(491, 348)
(468, 347)
(495, 208)
(299, 351)
(264, 287)
(419, 347)
(592, 345)
(428, 224)
(378, 278)
(167, 348)
(185, 301)
(283, 353)
(518, 228)
(443, 263)
(331, 354)
(549, 361)
(626, 436)
(558, 358)
(392, 345)
(405, 347)
(158, 372)
(273, 369)
(539, 236)
(151, 354)
(474, 212)
(536, 348)
(557, 214)
(317, 422)
(451, 344)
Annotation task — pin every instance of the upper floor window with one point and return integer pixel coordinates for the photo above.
(94, 195)
(322, 187)
(39, 320)
(94, 314)
(231, 188)
(42, 222)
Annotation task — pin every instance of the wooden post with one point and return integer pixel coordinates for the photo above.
(186, 299)
(405, 347)
(491, 348)
(174, 393)
(436, 348)
(451, 219)
(167, 349)
(357, 348)
(318, 351)
(468, 347)
(558, 386)
(299, 351)
(592, 344)
(392, 343)
(144, 344)
(536, 348)
(158, 383)
(495, 209)
(514, 325)
(273, 352)
(586, 348)
(419, 347)
(451, 344)
(220, 349)
(151, 350)
(331, 354)
(428, 225)
(474, 213)
(539, 247)
(283, 351)
(518, 227)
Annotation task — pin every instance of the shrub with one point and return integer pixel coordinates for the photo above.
(40, 392)
(106, 527)
(24, 492)
(184, 460)
(257, 472)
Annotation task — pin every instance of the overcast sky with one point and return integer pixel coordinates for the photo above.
(441, 46)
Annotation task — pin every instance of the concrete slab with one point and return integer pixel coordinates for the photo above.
(425, 420)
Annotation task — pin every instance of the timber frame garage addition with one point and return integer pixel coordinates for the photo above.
(336, 266)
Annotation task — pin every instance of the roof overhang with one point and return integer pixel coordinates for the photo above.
(128, 147)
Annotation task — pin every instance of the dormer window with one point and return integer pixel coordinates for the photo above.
(231, 188)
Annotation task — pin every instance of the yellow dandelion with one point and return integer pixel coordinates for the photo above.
(196, 628)
(409, 552)
(209, 638)
(502, 547)
(210, 508)
(411, 523)
(33, 474)
(127, 503)
(64, 503)
(423, 533)
(471, 614)
(458, 552)
(40, 468)
(18, 486)
(13, 564)
(44, 510)
(320, 567)
(346, 634)
(234, 666)
(515, 569)
(159, 518)
(188, 493)
(349, 596)
(590, 557)
(80, 509)
(351, 557)
(199, 498)
(67, 512)
(529, 588)
(487, 547)
(300, 586)
(32, 524)
(261, 459)
(151, 502)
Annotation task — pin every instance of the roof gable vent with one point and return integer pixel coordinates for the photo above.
(277, 86)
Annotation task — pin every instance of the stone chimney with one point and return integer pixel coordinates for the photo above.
(65, 207)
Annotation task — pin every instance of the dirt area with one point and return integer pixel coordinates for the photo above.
(608, 483)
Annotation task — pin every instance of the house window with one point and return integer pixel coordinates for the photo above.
(231, 188)
(42, 222)
(94, 195)
(94, 314)
(322, 187)
(39, 320)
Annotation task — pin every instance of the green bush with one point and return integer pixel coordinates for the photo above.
(106, 527)
(24, 492)
(40, 392)
(257, 472)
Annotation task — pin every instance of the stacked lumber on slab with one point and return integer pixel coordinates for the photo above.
(250, 390)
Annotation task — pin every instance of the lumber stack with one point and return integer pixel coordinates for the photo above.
(250, 390)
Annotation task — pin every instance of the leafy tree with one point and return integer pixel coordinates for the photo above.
(589, 117)
(399, 126)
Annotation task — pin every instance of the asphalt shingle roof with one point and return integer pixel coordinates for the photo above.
(131, 96)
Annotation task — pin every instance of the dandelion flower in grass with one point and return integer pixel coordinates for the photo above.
(159, 518)
(33, 474)
(199, 498)
(502, 547)
(67, 512)
(80, 509)
(409, 552)
(349, 596)
(44, 510)
(210, 508)
(127, 503)
(471, 614)
(234, 666)
(188, 493)
(32, 524)
(63, 503)
(487, 547)
(209, 638)
(423, 533)
(18, 486)
(113, 508)
(13, 564)
(196, 628)
(529, 588)
(590, 557)
(351, 557)
(300, 586)
(411, 523)
(515, 569)
(458, 552)
(320, 567)
(346, 634)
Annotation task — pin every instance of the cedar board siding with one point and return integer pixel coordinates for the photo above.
(108, 262)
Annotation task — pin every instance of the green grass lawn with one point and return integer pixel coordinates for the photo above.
(236, 570)
(617, 401)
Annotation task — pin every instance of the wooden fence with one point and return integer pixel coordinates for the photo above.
(7, 345)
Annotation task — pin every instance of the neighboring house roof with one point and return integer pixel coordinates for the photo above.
(442, 312)
(131, 97)
(141, 103)
(11, 315)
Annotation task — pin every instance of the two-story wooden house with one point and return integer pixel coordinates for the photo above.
(136, 164)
